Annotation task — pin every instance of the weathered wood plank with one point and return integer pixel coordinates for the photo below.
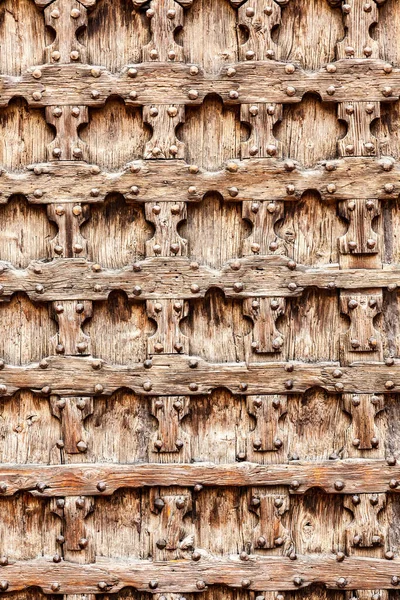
(177, 374)
(350, 476)
(256, 573)
(166, 83)
(174, 180)
(258, 276)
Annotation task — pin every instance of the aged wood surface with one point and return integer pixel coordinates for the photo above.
(173, 374)
(350, 476)
(251, 179)
(199, 299)
(255, 573)
(250, 82)
(153, 278)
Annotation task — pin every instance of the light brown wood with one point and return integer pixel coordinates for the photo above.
(199, 359)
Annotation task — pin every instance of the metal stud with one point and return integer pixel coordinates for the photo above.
(200, 584)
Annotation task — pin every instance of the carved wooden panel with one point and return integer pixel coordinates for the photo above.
(199, 299)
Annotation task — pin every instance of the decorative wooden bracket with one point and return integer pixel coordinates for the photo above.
(258, 18)
(360, 238)
(361, 336)
(170, 534)
(359, 16)
(270, 508)
(267, 411)
(166, 17)
(72, 413)
(264, 312)
(70, 315)
(73, 510)
(169, 411)
(261, 118)
(164, 120)
(166, 217)
(168, 339)
(363, 409)
(69, 242)
(66, 17)
(263, 215)
(358, 140)
(67, 145)
(364, 531)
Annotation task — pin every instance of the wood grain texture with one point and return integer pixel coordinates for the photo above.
(200, 386)
(262, 276)
(256, 573)
(350, 476)
(151, 181)
(174, 374)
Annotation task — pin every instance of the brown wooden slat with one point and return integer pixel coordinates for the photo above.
(261, 276)
(350, 476)
(165, 83)
(173, 375)
(166, 180)
(257, 573)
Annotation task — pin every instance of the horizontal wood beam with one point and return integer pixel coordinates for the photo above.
(180, 83)
(240, 180)
(178, 277)
(350, 476)
(273, 573)
(177, 374)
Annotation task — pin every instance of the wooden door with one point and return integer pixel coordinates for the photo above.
(199, 285)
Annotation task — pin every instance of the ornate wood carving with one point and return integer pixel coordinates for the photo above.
(364, 531)
(359, 140)
(166, 17)
(363, 409)
(72, 413)
(360, 238)
(70, 316)
(166, 216)
(66, 18)
(270, 531)
(263, 216)
(258, 18)
(170, 533)
(267, 411)
(69, 242)
(67, 144)
(362, 336)
(164, 120)
(264, 312)
(168, 314)
(261, 118)
(359, 17)
(169, 412)
(73, 511)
